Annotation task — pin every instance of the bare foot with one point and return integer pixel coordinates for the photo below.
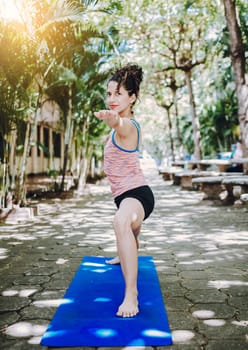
(129, 307)
(113, 261)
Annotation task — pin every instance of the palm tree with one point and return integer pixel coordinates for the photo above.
(49, 32)
(15, 76)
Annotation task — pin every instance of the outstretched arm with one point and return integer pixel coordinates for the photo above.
(123, 126)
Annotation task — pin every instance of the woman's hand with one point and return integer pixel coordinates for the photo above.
(112, 118)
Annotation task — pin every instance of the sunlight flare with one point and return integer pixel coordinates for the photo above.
(9, 10)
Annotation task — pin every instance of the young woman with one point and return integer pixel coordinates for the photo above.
(133, 197)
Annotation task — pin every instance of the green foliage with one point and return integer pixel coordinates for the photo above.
(218, 124)
(242, 6)
(186, 133)
(16, 60)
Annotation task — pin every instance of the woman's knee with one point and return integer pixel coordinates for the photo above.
(121, 221)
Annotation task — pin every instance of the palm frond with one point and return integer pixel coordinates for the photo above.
(61, 11)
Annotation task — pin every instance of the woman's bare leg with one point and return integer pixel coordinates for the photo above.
(116, 260)
(129, 216)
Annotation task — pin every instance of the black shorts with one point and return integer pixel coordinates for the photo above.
(143, 194)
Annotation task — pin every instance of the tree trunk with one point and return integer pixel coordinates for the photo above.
(195, 119)
(20, 193)
(238, 63)
(5, 178)
(84, 159)
(30, 138)
(179, 137)
(12, 159)
(170, 134)
(68, 138)
(84, 168)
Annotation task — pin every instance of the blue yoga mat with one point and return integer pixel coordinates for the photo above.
(86, 316)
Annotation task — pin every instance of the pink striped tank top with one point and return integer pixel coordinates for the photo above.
(122, 166)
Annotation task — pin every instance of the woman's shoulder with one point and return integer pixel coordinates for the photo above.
(135, 123)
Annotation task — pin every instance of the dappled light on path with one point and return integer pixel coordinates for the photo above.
(26, 330)
(51, 302)
(182, 336)
(214, 322)
(22, 293)
(198, 249)
(226, 284)
(203, 314)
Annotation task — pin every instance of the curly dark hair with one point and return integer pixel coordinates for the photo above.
(130, 77)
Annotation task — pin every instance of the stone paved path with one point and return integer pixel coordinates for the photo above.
(200, 250)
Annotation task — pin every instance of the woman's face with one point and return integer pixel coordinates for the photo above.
(119, 101)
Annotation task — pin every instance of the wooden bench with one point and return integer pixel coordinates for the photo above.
(179, 163)
(239, 161)
(214, 186)
(204, 164)
(215, 164)
(235, 187)
(168, 173)
(184, 178)
(210, 186)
